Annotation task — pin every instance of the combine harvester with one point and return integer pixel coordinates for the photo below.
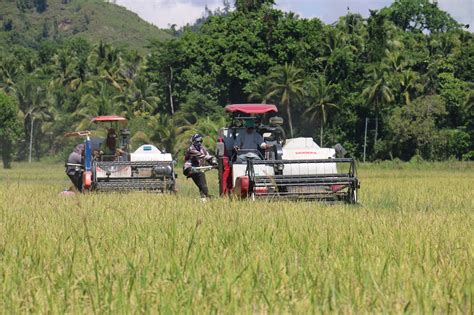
(298, 170)
(145, 169)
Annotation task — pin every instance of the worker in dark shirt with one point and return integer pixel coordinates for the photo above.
(196, 156)
(74, 166)
(250, 140)
(110, 150)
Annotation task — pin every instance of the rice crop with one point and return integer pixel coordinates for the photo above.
(407, 247)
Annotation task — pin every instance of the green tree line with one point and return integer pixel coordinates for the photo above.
(407, 70)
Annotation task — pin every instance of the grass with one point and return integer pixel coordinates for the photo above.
(407, 248)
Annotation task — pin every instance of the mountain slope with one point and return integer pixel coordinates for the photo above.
(26, 22)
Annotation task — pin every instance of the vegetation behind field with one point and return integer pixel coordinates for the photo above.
(406, 248)
(33, 24)
(407, 69)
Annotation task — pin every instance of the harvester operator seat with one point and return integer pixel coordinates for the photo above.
(243, 155)
(229, 135)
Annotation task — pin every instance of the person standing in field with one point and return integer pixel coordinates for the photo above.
(73, 166)
(196, 156)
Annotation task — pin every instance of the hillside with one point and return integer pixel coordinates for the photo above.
(26, 21)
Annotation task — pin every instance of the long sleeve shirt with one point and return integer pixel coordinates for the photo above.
(249, 141)
(195, 157)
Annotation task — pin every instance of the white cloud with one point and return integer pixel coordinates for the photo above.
(461, 10)
(330, 10)
(164, 13)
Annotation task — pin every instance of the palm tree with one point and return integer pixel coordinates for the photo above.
(395, 61)
(31, 99)
(96, 100)
(287, 84)
(165, 131)
(140, 96)
(205, 126)
(260, 90)
(106, 63)
(132, 66)
(334, 39)
(71, 72)
(410, 84)
(9, 71)
(321, 98)
(378, 93)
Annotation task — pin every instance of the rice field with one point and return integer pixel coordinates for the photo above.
(407, 248)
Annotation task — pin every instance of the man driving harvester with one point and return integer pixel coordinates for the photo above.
(109, 147)
(247, 143)
(195, 157)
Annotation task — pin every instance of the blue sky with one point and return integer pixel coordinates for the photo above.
(164, 13)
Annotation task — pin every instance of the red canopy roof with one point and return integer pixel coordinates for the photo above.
(111, 118)
(251, 108)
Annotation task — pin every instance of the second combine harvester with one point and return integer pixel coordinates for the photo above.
(297, 169)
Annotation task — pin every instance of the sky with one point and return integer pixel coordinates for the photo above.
(164, 13)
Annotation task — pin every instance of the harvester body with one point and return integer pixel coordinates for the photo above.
(145, 169)
(297, 169)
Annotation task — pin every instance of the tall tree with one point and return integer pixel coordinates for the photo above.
(34, 109)
(288, 87)
(410, 85)
(140, 96)
(97, 99)
(10, 70)
(260, 90)
(165, 132)
(420, 15)
(378, 93)
(320, 97)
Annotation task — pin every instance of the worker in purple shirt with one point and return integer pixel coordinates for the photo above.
(196, 156)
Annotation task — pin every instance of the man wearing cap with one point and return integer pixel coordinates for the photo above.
(249, 140)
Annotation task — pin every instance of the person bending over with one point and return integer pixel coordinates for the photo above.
(196, 156)
(73, 166)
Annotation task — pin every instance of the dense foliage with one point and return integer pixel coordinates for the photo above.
(407, 69)
(28, 22)
(10, 128)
